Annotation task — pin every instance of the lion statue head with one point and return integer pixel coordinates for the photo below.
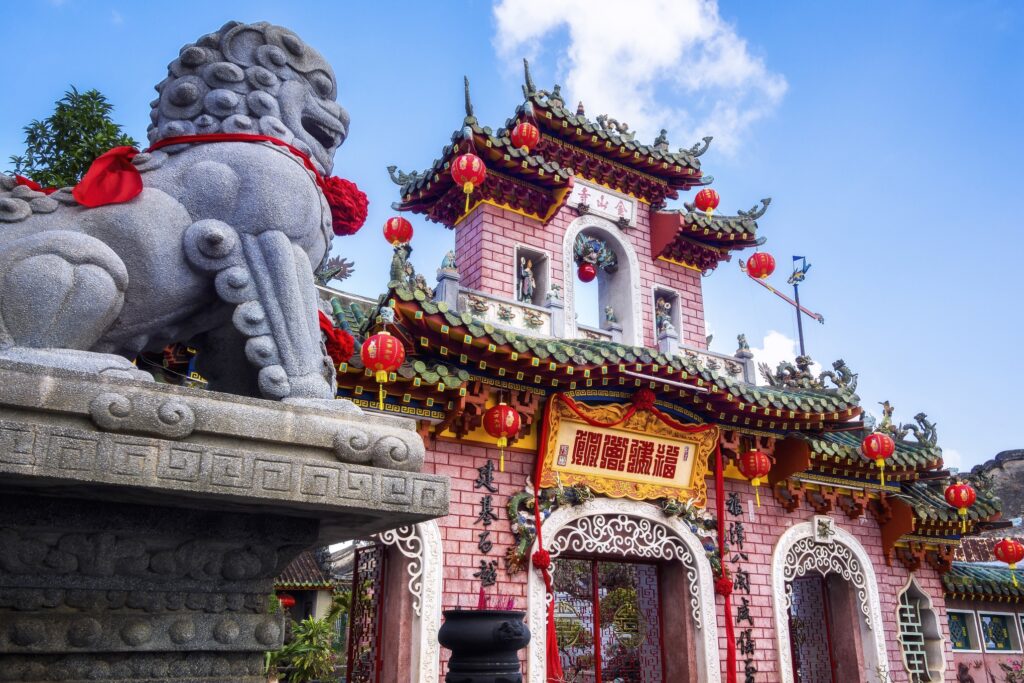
(253, 78)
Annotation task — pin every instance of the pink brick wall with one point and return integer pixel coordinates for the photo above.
(984, 667)
(771, 520)
(462, 557)
(485, 244)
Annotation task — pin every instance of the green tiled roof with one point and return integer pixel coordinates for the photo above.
(678, 158)
(978, 581)
(929, 503)
(584, 352)
(846, 445)
(499, 141)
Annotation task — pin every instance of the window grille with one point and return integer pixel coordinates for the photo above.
(912, 638)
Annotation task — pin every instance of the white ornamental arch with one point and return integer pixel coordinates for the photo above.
(640, 530)
(628, 298)
(799, 552)
(422, 545)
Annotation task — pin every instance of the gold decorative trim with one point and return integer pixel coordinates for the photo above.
(642, 422)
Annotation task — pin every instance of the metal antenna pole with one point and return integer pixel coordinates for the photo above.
(799, 273)
(799, 318)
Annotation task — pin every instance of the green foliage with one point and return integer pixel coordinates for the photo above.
(59, 149)
(312, 653)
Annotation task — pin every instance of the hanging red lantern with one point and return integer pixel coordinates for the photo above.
(755, 466)
(707, 200)
(383, 354)
(469, 171)
(502, 421)
(878, 447)
(586, 272)
(961, 496)
(397, 230)
(761, 265)
(525, 136)
(1010, 551)
(287, 600)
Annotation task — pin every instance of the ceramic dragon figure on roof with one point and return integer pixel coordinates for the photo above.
(217, 246)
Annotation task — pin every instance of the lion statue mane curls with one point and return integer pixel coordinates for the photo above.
(217, 249)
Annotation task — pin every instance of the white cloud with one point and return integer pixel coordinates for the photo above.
(115, 18)
(952, 458)
(623, 59)
(775, 348)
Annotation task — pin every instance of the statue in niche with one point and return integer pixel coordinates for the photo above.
(609, 316)
(663, 316)
(527, 282)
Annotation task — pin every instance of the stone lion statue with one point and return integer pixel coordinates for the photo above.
(218, 248)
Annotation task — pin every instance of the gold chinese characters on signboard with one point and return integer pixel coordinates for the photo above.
(642, 458)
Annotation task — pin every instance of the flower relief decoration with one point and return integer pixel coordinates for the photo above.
(592, 254)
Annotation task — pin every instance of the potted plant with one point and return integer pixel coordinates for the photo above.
(310, 653)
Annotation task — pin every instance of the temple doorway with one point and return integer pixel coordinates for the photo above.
(608, 621)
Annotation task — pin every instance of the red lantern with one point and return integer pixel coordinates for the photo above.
(878, 447)
(761, 265)
(961, 496)
(383, 354)
(287, 600)
(469, 171)
(501, 422)
(398, 230)
(755, 466)
(707, 200)
(1010, 551)
(586, 272)
(525, 136)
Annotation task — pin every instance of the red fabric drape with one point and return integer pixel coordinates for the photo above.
(542, 560)
(111, 179)
(730, 635)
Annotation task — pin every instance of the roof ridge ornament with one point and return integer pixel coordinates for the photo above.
(528, 87)
(469, 102)
(756, 211)
(699, 149)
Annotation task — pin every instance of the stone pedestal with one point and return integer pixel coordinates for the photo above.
(142, 525)
(668, 342)
(447, 289)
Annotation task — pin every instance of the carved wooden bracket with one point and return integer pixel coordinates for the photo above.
(895, 518)
(792, 456)
(941, 559)
(912, 556)
(789, 494)
(854, 503)
(823, 501)
(470, 410)
(526, 404)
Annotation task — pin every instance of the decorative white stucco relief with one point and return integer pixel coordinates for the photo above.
(629, 528)
(797, 553)
(422, 545)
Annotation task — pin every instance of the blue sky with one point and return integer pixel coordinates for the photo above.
(887, 133)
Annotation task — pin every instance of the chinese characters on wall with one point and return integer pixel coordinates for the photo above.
(486, 515)
(603, 202)
(745, 643)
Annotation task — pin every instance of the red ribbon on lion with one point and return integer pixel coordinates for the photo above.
(113, 179)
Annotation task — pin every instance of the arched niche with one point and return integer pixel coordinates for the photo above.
(800, 551)
(620, 290)
(630, 529)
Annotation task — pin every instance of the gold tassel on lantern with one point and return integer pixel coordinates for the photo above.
(963, 520)
(1013, 574)
(502, 443)
(756, 482)
(381, 376)
(881, 470)
(467, 187)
